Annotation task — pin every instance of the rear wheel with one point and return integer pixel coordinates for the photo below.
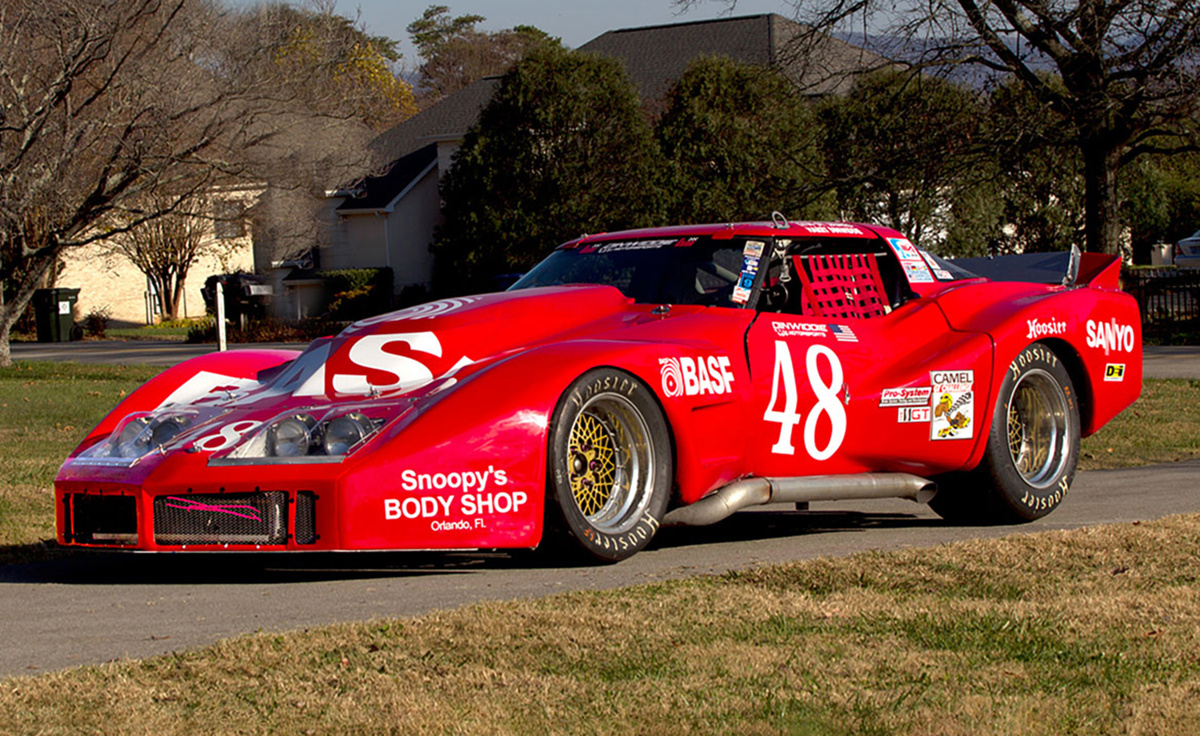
(609, 465)
(1032, 448)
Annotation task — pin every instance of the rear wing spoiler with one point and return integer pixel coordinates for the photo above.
(1067, 268)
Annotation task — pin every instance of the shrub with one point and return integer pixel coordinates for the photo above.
(357, 293)
(95, 322)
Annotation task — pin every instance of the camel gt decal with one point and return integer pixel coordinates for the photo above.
(954, 405)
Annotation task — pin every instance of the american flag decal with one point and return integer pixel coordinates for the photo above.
(843, 333)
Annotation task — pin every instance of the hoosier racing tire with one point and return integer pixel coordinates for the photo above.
(610, 466)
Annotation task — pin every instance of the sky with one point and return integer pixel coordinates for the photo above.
(574, 21)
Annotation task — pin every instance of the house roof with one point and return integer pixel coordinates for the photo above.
(448, 119)
(657, 56)
(374, 193)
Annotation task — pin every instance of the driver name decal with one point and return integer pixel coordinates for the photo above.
(695, 376)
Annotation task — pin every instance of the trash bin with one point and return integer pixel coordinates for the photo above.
(54, 313)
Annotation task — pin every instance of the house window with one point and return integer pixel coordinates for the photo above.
(229, 219)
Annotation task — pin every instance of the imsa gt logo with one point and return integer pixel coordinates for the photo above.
(695, 376)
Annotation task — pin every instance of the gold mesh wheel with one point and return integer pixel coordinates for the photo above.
(609, 464)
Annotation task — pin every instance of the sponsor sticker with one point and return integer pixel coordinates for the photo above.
(703, 376)
(740, 295)
(913, 414)
(617, 246)
(1114, 372)
(1111, 336)
(471, 494)
(753, 249)
(953, 394)
(917, 272)
(1039, 328)
(800, 329)
(905, 250)
(829, 228)
(910, 396)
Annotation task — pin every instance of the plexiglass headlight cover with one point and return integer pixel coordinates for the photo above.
(311, 435)
(142, 433)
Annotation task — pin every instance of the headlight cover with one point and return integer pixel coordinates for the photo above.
(140, 434)
(310, 436)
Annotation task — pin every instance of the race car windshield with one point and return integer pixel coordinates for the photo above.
(662, 271)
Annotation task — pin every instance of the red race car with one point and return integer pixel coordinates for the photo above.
(631, 380)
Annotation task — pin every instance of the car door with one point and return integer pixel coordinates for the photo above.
(835, 395)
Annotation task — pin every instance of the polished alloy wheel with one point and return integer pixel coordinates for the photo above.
(1038, 435)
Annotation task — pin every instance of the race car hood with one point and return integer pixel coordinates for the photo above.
(377, 369)
(403, 351)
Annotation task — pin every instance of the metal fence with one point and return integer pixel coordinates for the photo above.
(1166, 296)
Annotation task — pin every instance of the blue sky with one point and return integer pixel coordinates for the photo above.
(574, 21)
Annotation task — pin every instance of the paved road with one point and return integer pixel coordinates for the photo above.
(1159, 362)
(126, 352)
(106, 606)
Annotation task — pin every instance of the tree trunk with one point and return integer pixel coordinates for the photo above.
(176, 297)
(1102, 222)
(11, 310)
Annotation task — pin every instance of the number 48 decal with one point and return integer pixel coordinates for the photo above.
(827, 402)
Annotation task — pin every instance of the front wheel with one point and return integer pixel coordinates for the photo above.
(1032, 447)
(609, 465)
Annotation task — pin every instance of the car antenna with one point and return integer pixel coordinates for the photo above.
(780, 221)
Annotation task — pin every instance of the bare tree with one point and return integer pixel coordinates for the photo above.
(1128, 69)
(105, 105)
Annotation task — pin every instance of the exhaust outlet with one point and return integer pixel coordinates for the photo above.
(748, 492)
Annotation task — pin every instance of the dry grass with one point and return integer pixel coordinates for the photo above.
(1094, 631)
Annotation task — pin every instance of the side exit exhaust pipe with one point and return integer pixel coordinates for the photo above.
(747, 492)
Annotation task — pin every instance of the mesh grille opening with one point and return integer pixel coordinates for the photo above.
(97, 519)
(222, 518)
(306, 517)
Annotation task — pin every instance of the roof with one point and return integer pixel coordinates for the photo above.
(783, 228)
(657, 56)
(448, 119)
(375, 193)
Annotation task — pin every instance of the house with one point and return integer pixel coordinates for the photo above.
(109, 282)
(390, 219)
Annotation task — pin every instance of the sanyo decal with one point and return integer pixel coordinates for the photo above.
(1110, 336)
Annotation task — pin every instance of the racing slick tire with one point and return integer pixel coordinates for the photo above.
(1032, 448)
(610, 466)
